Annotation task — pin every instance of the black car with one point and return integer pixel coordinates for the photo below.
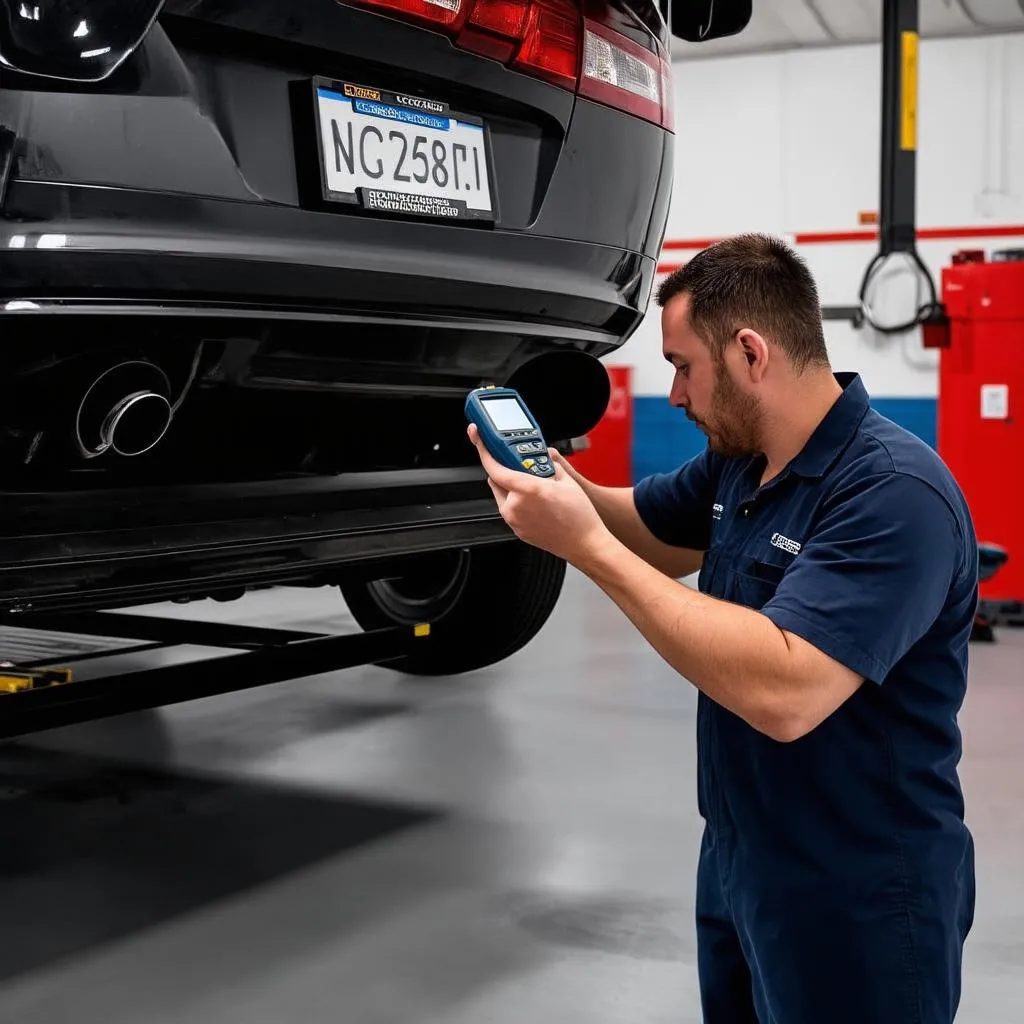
(253, 255)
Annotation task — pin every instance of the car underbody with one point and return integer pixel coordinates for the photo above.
(219, 373)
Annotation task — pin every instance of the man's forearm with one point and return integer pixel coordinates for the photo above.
(617, 509)
(612, 503)
(735, 655)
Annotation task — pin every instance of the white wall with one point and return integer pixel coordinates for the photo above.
(789, 142)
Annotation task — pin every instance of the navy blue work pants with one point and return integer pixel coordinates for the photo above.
(776, 949)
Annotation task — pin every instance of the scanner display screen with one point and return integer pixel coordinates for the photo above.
(507, 414)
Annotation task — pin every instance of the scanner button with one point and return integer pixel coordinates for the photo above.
(528, 463)
(524, 447)
(543, 459)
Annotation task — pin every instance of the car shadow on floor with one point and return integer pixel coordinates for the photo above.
(92, 850)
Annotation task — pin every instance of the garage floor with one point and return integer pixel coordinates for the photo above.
(514, 846)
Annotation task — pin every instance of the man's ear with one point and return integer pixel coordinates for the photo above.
(754, 350)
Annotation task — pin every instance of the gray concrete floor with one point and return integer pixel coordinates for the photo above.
(516, 845)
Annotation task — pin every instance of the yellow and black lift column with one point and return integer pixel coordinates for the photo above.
(897, 199)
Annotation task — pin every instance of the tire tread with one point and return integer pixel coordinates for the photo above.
(466, 639)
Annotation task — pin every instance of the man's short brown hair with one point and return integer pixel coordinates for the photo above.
(754, 281)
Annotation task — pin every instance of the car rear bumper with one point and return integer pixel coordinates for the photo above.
(162, 543)
(90, 243)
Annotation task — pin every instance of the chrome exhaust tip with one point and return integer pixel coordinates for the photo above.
(127, 410)
(137, 423)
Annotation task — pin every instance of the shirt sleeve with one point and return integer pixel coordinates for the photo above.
(676, 506)
(875, 574)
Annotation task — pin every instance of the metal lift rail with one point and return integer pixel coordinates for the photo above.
(39, 692)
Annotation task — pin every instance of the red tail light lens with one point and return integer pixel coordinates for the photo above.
(435, 12)
(542, 37)
(551, 39)
(502, 17)
(551, 42)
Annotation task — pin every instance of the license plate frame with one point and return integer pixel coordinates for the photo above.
(402, 113)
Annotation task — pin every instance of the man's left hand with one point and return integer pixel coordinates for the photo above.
(553, 513)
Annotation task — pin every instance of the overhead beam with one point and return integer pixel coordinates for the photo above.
(823, 21)
(968, 13)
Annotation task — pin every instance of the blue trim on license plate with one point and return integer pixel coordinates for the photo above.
(390, 113)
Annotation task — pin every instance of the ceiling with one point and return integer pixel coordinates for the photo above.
(786, 24)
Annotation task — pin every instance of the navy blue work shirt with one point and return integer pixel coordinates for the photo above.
(864, 547)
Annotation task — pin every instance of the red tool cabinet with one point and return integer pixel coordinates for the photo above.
(981, 401)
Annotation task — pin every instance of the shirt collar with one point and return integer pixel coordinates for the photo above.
(836, 430)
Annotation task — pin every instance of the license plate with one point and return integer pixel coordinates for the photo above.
(400, 154)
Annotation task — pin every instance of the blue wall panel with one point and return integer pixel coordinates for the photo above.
(663, 437)
(918, 415)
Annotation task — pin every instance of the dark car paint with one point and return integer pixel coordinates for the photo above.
(206, 123)
(180, 191)
(78, 40)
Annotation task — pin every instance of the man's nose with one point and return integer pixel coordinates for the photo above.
(677, 395)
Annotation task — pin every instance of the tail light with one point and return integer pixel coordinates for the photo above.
(434, 12)
(550, 46)
(621, 73)
(553, 40)
(74, 40)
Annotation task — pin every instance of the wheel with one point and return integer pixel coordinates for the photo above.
(483, 604)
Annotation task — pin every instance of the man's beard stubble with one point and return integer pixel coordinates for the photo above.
(734, 426)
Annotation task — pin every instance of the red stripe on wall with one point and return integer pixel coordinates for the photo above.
(824, 237)
(832, 237)
(989, 232)
(690, 243)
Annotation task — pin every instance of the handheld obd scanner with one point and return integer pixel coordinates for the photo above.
(509, 430)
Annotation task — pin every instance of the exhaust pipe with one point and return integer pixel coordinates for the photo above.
(136, 423)
(127, 409)
(568, 391)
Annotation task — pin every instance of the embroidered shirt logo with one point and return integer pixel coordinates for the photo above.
(717, 510)
(785, 544)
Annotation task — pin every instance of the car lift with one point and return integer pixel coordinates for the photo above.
(38, 694)
(897, 215)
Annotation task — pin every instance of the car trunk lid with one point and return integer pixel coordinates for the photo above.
(452, 109)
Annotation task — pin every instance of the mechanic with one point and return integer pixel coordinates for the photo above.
(827, 637)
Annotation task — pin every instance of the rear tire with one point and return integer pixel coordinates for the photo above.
(483, 604)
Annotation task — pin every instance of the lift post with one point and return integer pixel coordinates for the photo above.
(41, 695)
(898, 198)
(897, 209)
